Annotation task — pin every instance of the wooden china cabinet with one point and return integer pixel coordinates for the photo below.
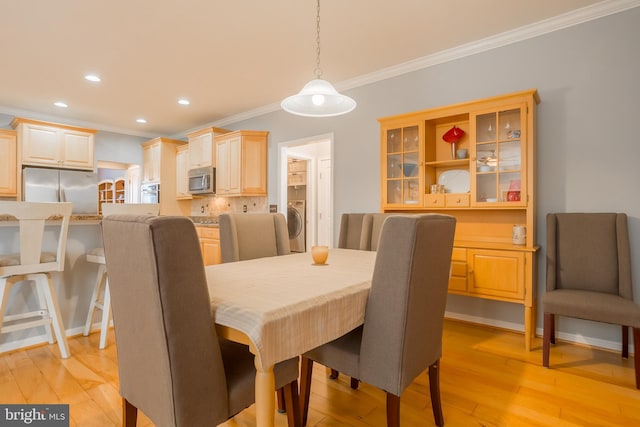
(488, 186)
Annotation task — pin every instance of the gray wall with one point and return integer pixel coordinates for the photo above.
(588, 144)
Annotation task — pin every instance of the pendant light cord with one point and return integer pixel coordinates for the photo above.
(318, 71)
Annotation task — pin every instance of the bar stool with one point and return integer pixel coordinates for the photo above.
(101, 298)
(33, 266)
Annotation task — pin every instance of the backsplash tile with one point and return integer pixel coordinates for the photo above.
(214, 205)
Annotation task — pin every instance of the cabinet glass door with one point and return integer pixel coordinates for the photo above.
(403, 165)
(499, 157)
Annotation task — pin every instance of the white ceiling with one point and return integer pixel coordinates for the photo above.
(226, 56)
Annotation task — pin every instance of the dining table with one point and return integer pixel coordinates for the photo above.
(284, 306)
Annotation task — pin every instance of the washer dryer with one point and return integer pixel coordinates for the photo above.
(296, 220)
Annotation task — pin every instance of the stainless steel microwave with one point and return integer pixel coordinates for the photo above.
(202, 180)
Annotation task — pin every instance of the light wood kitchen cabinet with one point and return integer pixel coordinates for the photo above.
(54, 145)
(488, 190)
(151, 162)
(182, 168)
(159, 166)
(241, 168)
(9, 164)
(202, 151)
(209, 244)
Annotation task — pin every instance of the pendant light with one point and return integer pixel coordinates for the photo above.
(318, 98)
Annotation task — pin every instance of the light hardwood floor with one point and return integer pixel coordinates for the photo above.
(487, 379)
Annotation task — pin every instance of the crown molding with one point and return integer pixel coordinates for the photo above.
(566, 20)
(73, 122)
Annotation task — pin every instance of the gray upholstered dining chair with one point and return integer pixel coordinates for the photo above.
(402, 331)
(171, 363)
(350, 237)
(589, 276)
(371, 229)
(100, 297)
(256, 235)
(250, 236)
(350, 230)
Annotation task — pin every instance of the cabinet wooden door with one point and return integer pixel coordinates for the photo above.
(201, 151)
(234, 165)
(182, 178)
(229, 169)
(497, 273)
(151, 163)
(8, 165)
(40, 145)
(210, 244)
(77, 149)
(211, 251)
(222, 167)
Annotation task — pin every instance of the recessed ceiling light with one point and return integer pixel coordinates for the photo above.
(141, 120)
(183, 101)
(92, 78)
(60, 104)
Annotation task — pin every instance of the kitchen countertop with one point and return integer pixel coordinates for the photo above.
(200, 221)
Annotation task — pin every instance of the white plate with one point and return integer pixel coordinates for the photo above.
(455, 180)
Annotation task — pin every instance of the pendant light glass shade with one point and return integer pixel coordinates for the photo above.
(318, 98)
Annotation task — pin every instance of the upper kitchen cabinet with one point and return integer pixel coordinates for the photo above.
(182, 177)
(8, 163)
(241, 168)
(202, 152)
(159, 166)
(54, 145)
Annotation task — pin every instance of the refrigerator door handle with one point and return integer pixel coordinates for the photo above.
(61, 197)
(58, 194)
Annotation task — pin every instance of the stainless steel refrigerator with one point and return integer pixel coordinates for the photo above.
(60, 185)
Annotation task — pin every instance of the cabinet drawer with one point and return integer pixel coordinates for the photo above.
(208, 232)
(458, 279)
(457, 200)
(434, 200)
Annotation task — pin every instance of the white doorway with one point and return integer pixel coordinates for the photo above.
(318, 189)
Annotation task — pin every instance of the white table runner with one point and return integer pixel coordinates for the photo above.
(286, 305)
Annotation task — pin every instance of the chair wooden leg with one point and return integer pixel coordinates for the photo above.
(636, 354)
(306, 369)
(46, 287)
(95, 298)
(106, 315)
(625, 342)
(42, 301)
(355, 383)
(291, 401)
(129, 414)
(393, 410)
(334, 374)
(282, 406)
(434, 388)
(546, 338)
